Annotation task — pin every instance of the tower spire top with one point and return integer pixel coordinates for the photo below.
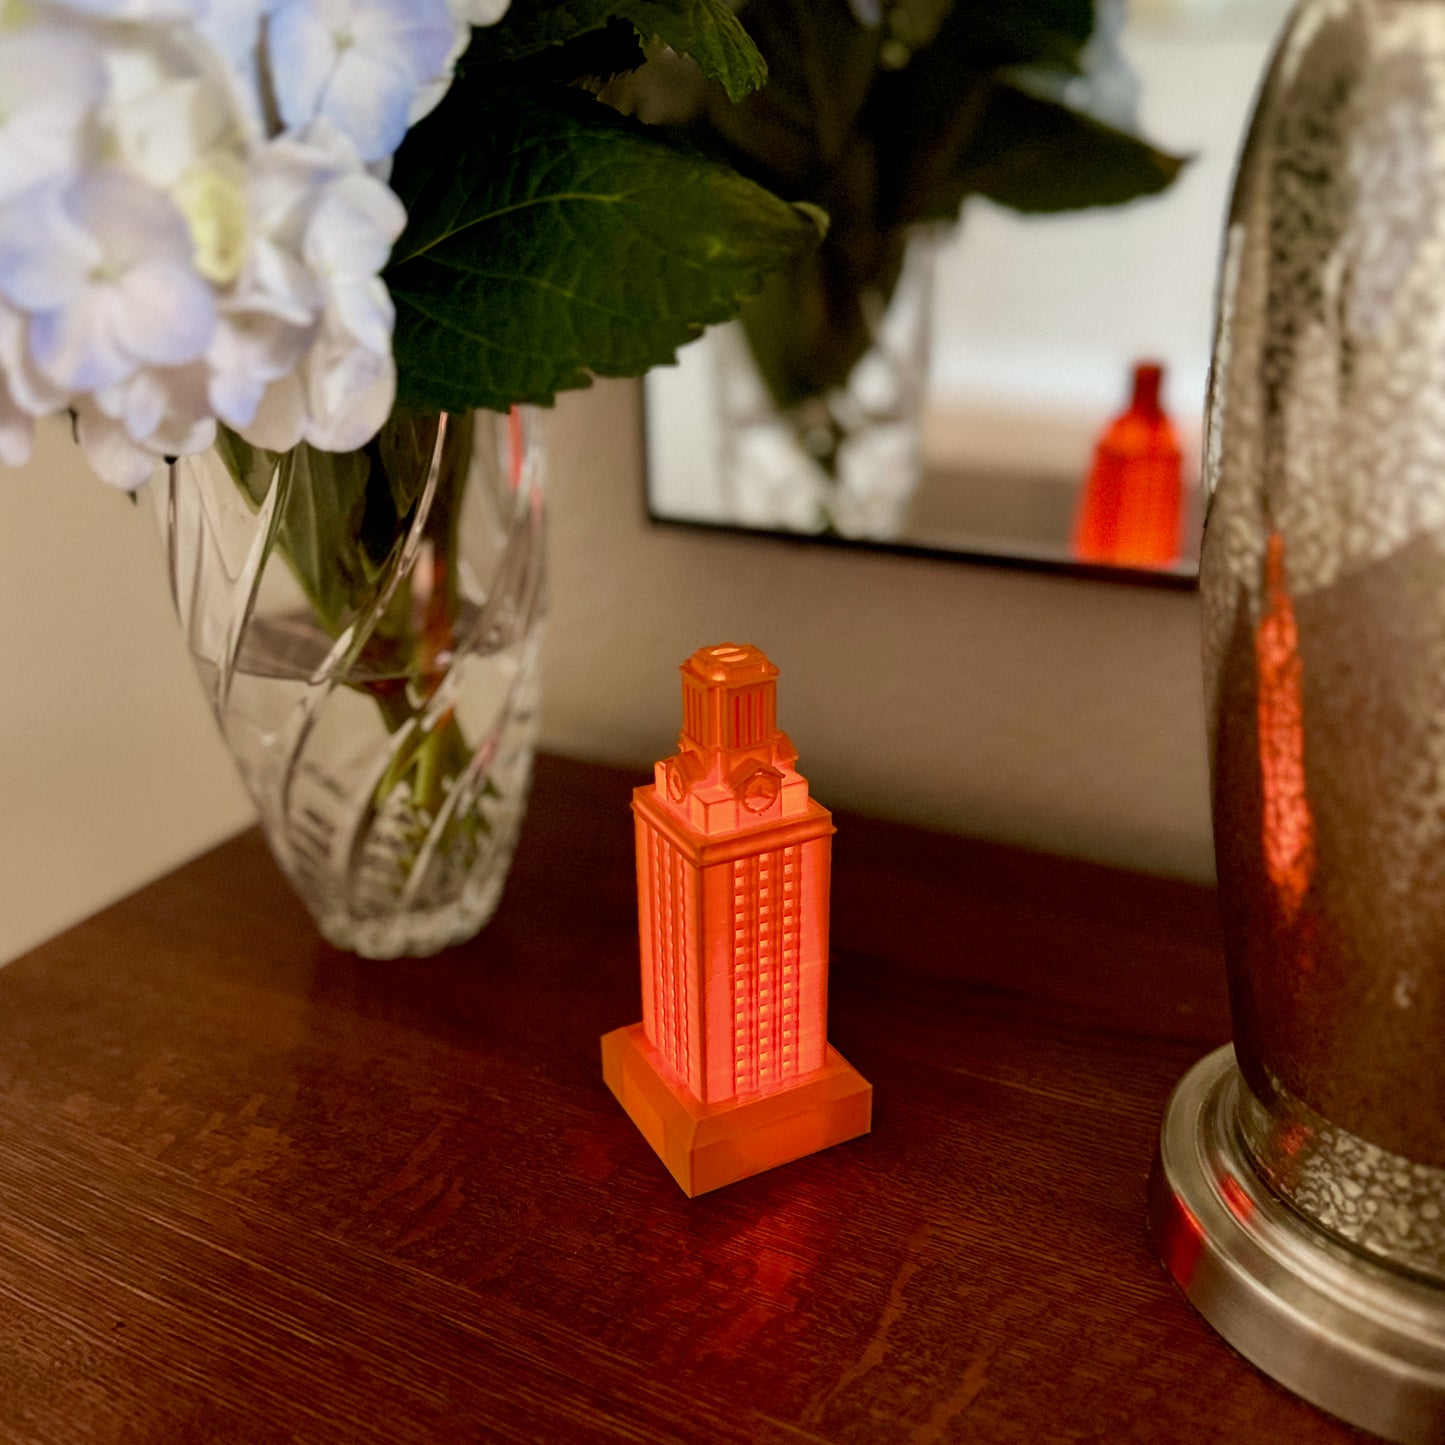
(733, 767)
(729, 699)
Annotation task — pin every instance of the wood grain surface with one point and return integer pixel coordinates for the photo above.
(253, 1189)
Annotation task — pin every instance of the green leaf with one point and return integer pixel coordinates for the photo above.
(802, 125)
(870, 122)
(549, 238)
(895, 125)
(322, 528)
(706, 30)
(590, 61)
(252, 467)
(321, 520)
(1036, 155)
(405, 447)
(961, 118)
(815, 321)
(343, 510)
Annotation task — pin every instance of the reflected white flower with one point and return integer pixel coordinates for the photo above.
(1107, 86)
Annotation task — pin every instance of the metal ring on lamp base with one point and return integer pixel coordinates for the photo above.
(1365, 1342)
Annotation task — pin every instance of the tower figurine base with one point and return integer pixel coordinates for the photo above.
(1363, 1341)
(705, 1146)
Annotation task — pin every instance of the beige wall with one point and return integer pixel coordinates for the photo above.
(1056, 713)
(110, 771)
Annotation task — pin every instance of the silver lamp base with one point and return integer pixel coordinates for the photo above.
(1361, 1340)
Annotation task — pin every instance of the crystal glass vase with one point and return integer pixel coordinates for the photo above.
(367, 627)
(1301, 1198)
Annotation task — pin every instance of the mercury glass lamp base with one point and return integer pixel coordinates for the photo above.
(1361, 1340)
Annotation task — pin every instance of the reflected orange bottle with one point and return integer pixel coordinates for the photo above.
(730, 1071)
(1130, 513)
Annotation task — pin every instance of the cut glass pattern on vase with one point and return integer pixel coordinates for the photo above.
(386, 737)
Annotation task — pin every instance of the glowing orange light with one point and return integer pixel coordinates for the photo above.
(1181, 1242)
(1240, 1205)
(1289, 829)
(1292, 1138)
(730, 1071)
(1132, 504)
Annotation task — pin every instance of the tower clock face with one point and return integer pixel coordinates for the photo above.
(760, 789)
(676, 783)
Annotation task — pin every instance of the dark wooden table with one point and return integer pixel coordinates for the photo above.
(254, 1189)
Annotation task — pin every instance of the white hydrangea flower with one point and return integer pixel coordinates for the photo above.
(465, 14)
(17, 430)
(28, 389)
(114, 455)
(51, 79)
(269, 315)
(168, 111)
(350, 235)
(359, 63)
(275, 313)
(343, 389)
(131, 11)
(336, 399)
(234, 30)
(17, 419)
(109, 283)
(192, 227)
(478, 12)
(351, 376)
(158, 412)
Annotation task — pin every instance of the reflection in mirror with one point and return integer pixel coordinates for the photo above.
(1018, 342)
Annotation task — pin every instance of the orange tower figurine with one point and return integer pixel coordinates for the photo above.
(730, 1071)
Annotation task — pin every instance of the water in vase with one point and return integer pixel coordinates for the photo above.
(392, 795)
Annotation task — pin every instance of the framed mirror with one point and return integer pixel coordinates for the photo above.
(1034, 327)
